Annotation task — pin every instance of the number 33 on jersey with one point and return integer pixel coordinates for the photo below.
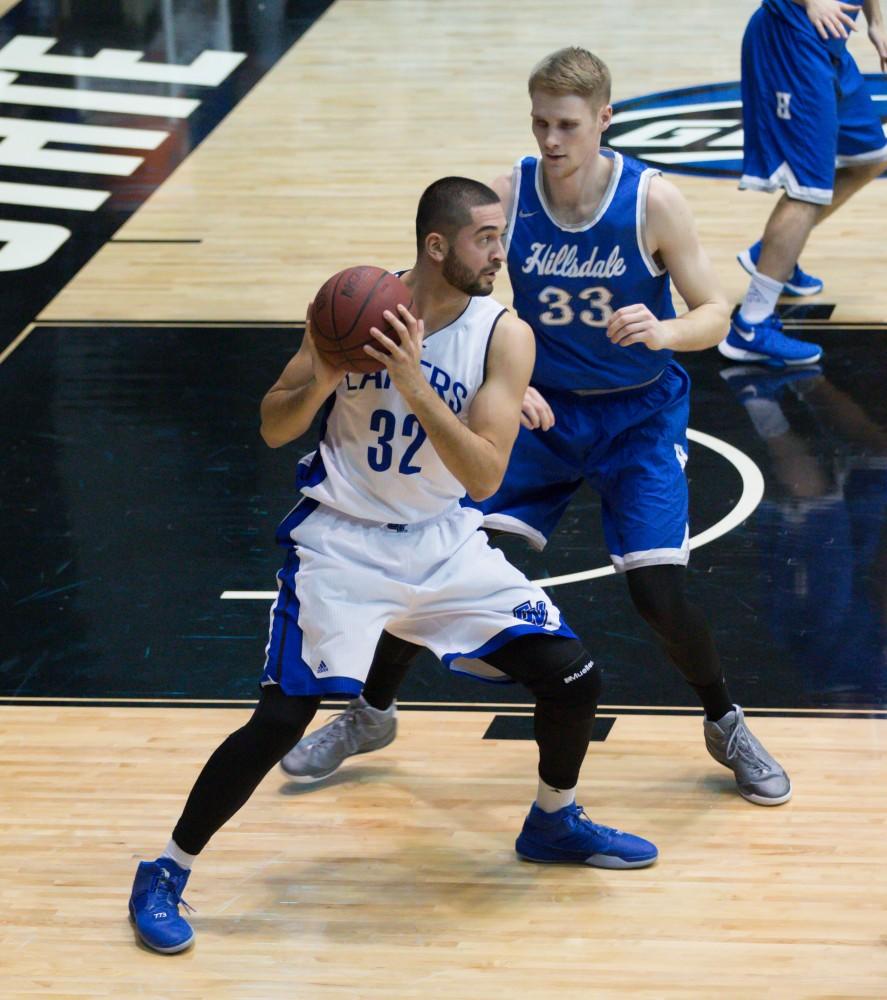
(570, 279)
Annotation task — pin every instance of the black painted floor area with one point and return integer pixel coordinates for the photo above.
(135, 488)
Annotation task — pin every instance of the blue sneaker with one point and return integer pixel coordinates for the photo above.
(799, 283)
(154, 906)
(766, 342)
(569, 837)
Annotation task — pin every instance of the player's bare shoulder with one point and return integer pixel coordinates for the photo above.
(512, 328)
(512, 347)
(669, 218)
(503, 185)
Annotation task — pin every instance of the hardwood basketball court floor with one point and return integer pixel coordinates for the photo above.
(156, 270)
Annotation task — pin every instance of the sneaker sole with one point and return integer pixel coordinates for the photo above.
(758, 800)
(174, 950)
(799, 291)
(761, 800)
(311, 779)
(796, 291)
(738, 354)
(594, 861)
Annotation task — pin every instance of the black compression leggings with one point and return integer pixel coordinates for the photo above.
(564, 711)
(658, 593)
(557, 669)
(682, 628)
(234, 771)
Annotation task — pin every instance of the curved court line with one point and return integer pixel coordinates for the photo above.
(752, 493)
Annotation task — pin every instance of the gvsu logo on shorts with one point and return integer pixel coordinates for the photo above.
(535, 614)
(695, 130)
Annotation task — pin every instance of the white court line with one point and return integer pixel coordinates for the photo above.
(15, 343)
(752, 493)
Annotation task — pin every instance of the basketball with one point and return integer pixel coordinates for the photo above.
(345, 308)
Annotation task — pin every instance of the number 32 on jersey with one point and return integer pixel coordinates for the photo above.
(380, 455)
(593, 305)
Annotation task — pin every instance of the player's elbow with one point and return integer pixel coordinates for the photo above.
(718, 320)
(273, 438)
(484, 486)
(479, 494)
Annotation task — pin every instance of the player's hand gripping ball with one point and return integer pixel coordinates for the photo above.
(345, 308)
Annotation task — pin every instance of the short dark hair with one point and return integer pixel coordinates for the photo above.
(445, 206)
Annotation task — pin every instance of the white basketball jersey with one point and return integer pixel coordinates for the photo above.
(374, 460)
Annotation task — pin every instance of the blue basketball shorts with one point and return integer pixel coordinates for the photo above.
(438, 584)
(805, 112)
(630, 446)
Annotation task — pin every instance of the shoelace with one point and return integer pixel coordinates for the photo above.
(741, 744)
(166, 888)
(337, 724)
(578, 812)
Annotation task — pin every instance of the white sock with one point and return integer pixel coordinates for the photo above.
(767, 416)
(181, 858)
(550, 799)
(760, 299)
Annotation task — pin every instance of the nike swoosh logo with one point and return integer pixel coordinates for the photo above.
(745, 336)
(526, 215)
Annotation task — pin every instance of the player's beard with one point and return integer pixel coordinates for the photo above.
(459, 276)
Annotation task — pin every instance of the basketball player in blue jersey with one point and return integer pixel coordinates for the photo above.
(812, 129)
(379, 540)
(593, 240)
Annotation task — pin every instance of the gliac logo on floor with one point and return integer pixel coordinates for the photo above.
(695, 130)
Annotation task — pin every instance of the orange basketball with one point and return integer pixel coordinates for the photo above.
(345, 308)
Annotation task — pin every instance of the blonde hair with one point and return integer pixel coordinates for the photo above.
(572, 71)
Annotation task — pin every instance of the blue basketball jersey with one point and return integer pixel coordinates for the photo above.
(568, 280)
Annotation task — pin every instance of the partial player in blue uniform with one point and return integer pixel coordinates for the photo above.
(812, 129)
(594, 240)
(379, 540)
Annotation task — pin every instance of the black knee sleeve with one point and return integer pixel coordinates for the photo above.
(534, 658)
(579, 682)
(565, 706)
(567, 685)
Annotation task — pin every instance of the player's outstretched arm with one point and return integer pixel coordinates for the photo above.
(292, 402)
(672, 237)
(476, 454)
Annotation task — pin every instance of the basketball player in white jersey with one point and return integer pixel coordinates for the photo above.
(379, 541)
(594, 241)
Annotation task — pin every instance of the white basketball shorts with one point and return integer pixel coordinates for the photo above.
(438, 584)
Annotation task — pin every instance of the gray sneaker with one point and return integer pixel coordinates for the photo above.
(759, 777)
(359, 729)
